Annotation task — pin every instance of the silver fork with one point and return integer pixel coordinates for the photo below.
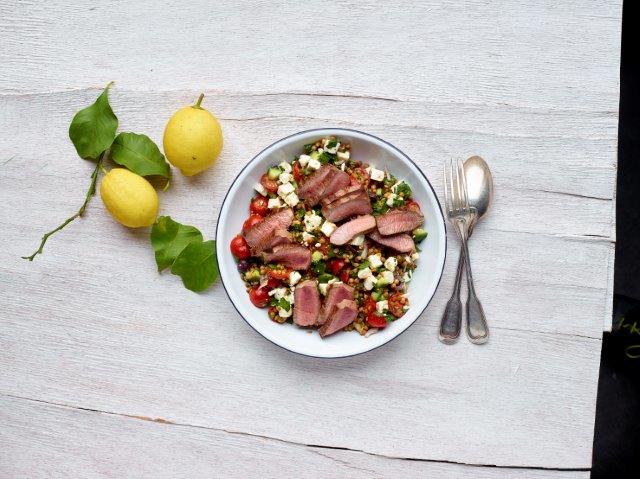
(462, 218)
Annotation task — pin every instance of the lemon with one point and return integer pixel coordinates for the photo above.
(192, 139)
(129, 198)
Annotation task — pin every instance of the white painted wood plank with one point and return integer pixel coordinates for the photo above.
(560, 54)
(41, 440)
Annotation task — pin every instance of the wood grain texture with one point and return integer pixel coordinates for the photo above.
(533, 88)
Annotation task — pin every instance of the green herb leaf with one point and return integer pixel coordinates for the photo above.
(139, 154)
(404, 189)
(326, 158)
(93, 129)
(284, 304)
(197, 265)
(169, 238)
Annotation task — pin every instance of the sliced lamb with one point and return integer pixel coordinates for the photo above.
(260, 235)
(279, 237)
(398, 221)
(402, 242)
(349, 230)
(339, 210)
(335, 293)
(336, 182)
(325, 181)
(293, 256)
(341, 193)
(343, 314)
(306, 303)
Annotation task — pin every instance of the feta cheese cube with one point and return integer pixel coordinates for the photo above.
(285, 178)
(415, 256)
(391, 263)
(283, 313)
(260, 189)
(323, 288)
(328, 228)
(278, 293)
(365, 273)
(376, 175)
(291, 199)
(274, 203)
(285, 166)
(285, 189)
(290, 297)
(391, 199)
(294, 277)
(314, 164)
(304, 160)
(375, 261)
(358, 240)
(343, 155)
(333, 150)
(386, 277)
(312, 222)
(369, 283)
(307, 238)
(381, 306)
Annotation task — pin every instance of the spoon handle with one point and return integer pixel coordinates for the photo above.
(452, 318)
(477, 329)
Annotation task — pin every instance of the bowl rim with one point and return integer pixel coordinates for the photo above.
(396, 150)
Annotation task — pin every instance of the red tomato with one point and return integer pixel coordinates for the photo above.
(280, 274)
(344, 276)
(259, 296)
(259, 205)
(270, 185)
(297, 171)
(251, 220)
(413, 206)
(272, 283)
(336, 265)
(396, 304)
(369, 305)
(376, 320)
(240, 248)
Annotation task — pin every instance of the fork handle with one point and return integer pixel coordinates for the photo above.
(452, 318)
(477, 329)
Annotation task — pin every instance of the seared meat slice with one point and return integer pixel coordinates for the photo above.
(402, 242)
(398, 221)
(292, 256)
(325, 181)
(260, 235)
(306, 304)
(358, 204)
(279, 237)
(335, 293)
(349, 230)
(341, 193)
(343, 314)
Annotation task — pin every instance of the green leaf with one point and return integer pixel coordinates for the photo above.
(139, 154)
(93, 129)
(284, 304)
(197, 265)
(169, 238)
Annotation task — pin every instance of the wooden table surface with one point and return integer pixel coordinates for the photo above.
(108, 369)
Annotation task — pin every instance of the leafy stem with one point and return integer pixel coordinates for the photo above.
(90, 192)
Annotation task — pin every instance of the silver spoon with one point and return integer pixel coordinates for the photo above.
(480, 193)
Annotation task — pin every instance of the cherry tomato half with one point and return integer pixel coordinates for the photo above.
(396, 304)
(369, 305)
(335, 265)
(259, 205)
(297, 171)
(272, 283)
(240, 248)
(250, 221)
(270, 185)
(280, 274)
(259, 296)
(344, 276)
(376, 320)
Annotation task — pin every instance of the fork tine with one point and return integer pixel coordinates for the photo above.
(465, 193)
(447, 206)
(457, 191)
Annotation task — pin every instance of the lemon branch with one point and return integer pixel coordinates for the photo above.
(90, 192)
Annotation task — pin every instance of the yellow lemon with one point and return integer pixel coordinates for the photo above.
(192, 139)
(129, 198)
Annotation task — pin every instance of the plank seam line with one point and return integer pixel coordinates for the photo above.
(285, 441)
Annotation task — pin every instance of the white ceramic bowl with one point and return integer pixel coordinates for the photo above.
(426, 277)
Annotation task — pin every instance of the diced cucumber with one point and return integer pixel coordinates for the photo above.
(252, 276)
(419, 234)
(274, 172)
(316, 256)
(377, 295)
(314, 154)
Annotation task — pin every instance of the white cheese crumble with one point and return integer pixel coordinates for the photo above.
(278, 293)
(291, 199)
(391, 263)
(375, 261)
(386, 276)
(369, 283)
(376, 175)
(343, 155)
(328, 228)
(285, 189)
(391, 199)
(274, 203)
(307, 238)
(285, 177)
(364, 273)
(304, 160)
(294, 277)
(333, 150)
(283, 313)
(285, 166)
(343, 166)
(260, 189)
(358, 240)
(415, 256)
(382, 305)
(312, 222)
(314, 164)
(323, 288)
